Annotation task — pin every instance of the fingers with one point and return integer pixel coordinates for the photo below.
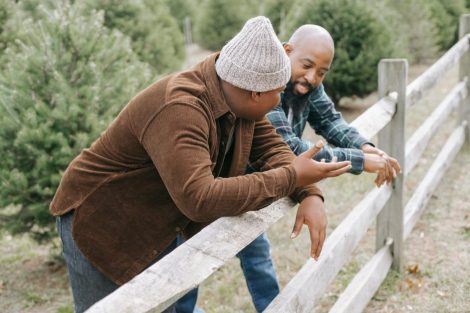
(388, 173)
(336, 169)
(376, 181)
(317, 238)
(395, 165)
(320, 244)
(299, 221)
(310, 153)
(380, 179)
(314, 242)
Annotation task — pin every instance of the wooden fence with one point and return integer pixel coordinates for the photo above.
(193, 262)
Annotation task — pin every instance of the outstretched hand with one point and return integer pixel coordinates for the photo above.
(310, 171)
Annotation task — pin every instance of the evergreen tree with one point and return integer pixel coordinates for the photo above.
(180, 9)
(444, 22)
(9, 30)
(454, 9)
(155, 34)
(218, 22)
(395, 29)
(4, 12)
(360, 42)
(276, 11)
(419, 28)
(67, 80)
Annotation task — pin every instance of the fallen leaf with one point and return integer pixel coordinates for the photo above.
(413, 269)
(412, 284)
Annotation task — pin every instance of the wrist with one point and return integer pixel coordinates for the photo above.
(366, 147)
(314, 198)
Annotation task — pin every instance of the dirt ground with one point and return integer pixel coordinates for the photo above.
(435, 278)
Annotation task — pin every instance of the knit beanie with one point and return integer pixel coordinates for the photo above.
(254, 59)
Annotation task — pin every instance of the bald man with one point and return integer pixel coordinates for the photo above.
(311, 51)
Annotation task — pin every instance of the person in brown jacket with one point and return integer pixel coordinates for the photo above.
(174, 160)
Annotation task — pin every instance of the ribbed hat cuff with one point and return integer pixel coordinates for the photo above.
(250, 80)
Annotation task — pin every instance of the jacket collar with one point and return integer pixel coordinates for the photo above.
(212, 81)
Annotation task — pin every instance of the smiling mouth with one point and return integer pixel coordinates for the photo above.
(304, 88)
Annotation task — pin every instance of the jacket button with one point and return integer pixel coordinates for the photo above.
(178, 229)
(154, 252)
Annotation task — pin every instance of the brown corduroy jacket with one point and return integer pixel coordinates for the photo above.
(164, 166)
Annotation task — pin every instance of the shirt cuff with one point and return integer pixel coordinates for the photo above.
(359, 143)
(357, 161)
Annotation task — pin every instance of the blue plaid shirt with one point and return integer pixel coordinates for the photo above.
(319, 111)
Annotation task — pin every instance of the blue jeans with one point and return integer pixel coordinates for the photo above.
(88, 284)
(260, 276)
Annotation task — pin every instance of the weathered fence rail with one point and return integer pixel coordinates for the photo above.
(193, 262)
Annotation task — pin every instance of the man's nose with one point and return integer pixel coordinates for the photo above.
(310, 77)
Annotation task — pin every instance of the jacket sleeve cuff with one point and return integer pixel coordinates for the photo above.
(299, 194)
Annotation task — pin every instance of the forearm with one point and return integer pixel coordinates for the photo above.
(330, 124)
(208, 199)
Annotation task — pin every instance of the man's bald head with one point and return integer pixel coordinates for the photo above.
(310, 34)
(310, 49)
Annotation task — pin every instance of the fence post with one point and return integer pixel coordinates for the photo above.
(188, 33)
(393, 74)
(464, 71)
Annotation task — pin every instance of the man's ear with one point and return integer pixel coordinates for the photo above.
(288, 48)
(255, 96)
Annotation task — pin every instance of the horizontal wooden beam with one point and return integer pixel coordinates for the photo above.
(421, 137)
(376, 117)
(418, 201)
(435, 72)
(365, 284)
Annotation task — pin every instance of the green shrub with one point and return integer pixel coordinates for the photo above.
(276, 11)
(58, 91)
(417, 24)
(8, 31)
(155, 34)
(454, 9)
(390, 18)
(445, 15)
(217, 22)
(180, 9)
(360, 42)
(3, 20)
